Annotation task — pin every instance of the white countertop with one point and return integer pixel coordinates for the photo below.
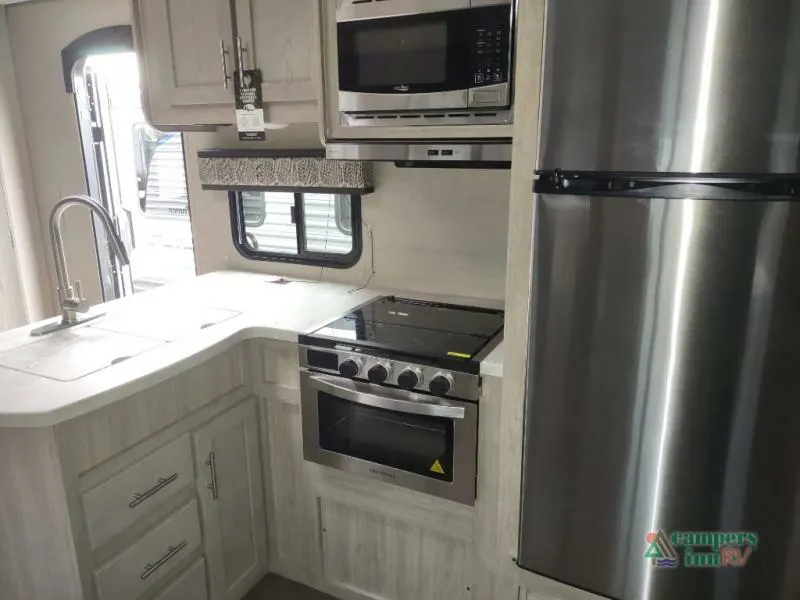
(158, 335)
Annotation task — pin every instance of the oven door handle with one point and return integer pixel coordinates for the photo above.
(390, 399)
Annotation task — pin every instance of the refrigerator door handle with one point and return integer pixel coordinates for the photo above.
(751, 188)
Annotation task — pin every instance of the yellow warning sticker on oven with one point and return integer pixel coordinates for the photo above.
(459, 355)
(437, 468)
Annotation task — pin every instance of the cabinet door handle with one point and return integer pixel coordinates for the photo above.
(162, 483)
(224, 55)
(149, 569)
(240, 52)
(211, 463)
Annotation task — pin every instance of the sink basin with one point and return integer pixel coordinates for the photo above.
(74, 353)
(165, 323)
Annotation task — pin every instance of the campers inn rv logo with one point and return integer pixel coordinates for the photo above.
(719, 549)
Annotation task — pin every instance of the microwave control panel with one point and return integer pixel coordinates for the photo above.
(490, 56)
(491, 45)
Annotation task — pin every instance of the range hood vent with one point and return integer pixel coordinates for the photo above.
(431, 155)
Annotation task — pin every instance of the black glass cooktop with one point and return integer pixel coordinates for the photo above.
(432, 331)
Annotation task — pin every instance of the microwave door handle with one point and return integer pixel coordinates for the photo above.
(393, 400)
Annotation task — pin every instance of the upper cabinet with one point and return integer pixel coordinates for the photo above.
(190, 49)
(186, 50)
(281, 38)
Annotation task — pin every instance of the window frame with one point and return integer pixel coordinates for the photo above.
(303, 256)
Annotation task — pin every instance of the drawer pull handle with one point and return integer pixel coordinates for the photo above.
(162, 483)
(171, 552)
(211, 463)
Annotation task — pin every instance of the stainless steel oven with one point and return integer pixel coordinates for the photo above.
(410, 439)
(452, 57)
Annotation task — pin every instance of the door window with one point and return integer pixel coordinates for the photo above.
(137, 173)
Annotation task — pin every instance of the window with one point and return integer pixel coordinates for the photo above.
(305, 228)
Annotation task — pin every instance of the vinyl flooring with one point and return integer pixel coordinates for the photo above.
(273, 587)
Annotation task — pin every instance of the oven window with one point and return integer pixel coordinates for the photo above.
(412, 443)
(402, 55)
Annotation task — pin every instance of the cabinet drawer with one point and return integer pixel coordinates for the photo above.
(189, 586)
(113, 506)
(150, 560)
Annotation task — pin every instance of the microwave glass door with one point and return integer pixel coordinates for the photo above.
(425, 53)
(417, 444)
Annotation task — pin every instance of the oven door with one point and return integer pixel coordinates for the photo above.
(412, 440)
(402, 55)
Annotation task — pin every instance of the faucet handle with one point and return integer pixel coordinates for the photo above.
(79, 291)
(80, 300)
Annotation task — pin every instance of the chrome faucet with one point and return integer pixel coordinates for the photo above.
(71, 298)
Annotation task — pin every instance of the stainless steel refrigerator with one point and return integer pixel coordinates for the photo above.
(663, 398)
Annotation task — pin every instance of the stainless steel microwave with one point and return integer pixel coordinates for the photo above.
(437, 60)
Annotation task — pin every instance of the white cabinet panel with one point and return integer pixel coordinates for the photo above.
(150, 560)
(232, 501)
(293, 532)
(382, 557)
(189, 586)
(181, 44)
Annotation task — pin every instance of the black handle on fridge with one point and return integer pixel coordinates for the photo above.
(670, 185)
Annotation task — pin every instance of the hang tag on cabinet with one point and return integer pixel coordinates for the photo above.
(250, 106)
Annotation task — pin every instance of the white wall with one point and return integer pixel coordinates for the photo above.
(39, 31)
(439, 231)
(435, 231)
(24, 284)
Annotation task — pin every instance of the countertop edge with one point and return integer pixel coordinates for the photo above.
(179, 356)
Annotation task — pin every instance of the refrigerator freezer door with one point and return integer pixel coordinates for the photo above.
(672, 85)
(663, 393)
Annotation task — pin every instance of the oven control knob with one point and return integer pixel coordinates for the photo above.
(350, 368)
(441, 385)
(378, 374)
(410, 379)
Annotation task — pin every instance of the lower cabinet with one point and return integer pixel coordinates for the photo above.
(231, 494)
(378, 556)
(181, 515)
(355, 538)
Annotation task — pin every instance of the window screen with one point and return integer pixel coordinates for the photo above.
(309, 228)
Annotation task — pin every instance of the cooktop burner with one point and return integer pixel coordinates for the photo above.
(445, 335)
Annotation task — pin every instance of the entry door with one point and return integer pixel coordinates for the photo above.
(232, 502)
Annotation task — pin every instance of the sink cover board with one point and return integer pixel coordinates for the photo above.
(165, 323)
(75, 353)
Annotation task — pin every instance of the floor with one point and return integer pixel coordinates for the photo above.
(273, 587)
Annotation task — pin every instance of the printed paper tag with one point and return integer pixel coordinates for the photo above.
(250, 106)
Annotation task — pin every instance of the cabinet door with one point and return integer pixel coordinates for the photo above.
(386, 558)
(281, 39)
(294, 542)
(186, 50)
(232, 502)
